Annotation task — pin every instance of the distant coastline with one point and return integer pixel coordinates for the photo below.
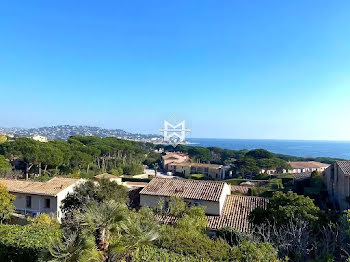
(301, 148)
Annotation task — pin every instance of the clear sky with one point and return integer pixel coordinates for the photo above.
(232, 69)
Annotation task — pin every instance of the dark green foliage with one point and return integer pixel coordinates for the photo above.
(231, 235)
(284, 207)
(25, 243)
(260, 154)
(89, 191)
(79, 154)
(257, 252)
(154, 254)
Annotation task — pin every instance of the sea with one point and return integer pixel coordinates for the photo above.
(301, 148)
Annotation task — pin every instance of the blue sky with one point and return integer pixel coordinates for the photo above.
(231, 69)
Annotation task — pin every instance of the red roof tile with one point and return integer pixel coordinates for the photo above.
(185, 188)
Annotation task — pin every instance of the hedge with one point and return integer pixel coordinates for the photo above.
(25, 243)
(154, 254)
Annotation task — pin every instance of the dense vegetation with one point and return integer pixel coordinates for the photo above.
(79, 155)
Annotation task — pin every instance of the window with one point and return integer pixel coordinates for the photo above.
(28, 201)
(47, 203)
(197, 203)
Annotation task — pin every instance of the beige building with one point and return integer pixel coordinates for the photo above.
(40, 138)
(337, 179)
(305, 166)
(171, 158)
(33, 198)
(209, 194)
(209, 170)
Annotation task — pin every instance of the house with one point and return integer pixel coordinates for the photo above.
(337, 179)
(210, 194)
(305, 166)
(209, 170)
(33, 198)
(235, 214)
(109, 177)
(173, 157)
(40, 138)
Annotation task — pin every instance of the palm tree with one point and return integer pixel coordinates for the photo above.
(101, 217)
(74, 247)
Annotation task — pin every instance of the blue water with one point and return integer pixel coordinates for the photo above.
(302, 148)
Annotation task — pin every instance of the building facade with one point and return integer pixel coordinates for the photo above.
(33, 198)
(172, 157)
(337, 179)
(209, 194)
(304, 166)
(215, 172)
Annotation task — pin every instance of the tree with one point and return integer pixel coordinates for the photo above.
(6, 204)
(100, 217)
(4, 163)
(247, 165)
(260, 154)
(285, 207)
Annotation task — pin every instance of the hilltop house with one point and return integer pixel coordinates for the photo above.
(337, 179)
(33, 198)
(39, 138)
(209, 170)
(173, 157)
(304, 166)
(210, 194)
(222, 208)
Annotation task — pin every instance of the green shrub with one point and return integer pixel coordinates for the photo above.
(257, 252)
(197, 176)
(25, 243)
(154, 254)
(193, 243)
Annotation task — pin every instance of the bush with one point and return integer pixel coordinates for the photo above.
(258, 252)
(231, 236)
(117, 171)
(198, 177)
(154, 254)
(193, 243)
(25, 243)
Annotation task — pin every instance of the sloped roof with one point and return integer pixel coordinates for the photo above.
(185, 188)
(344, 166)
(240, 189)
(235, 214)
(236, 211)
(204, 165)
(307, 164)
(49, 188)
(302, 176)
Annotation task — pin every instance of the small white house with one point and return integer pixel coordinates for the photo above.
(40, 138)
(209, 194)
(33, 198)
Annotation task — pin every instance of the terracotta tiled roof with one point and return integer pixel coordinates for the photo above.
(307, 164)
(240, 189)
(236, 211)
(204, 165)
(49, 188)
(185, 188)
(301, 176)
(344, 166)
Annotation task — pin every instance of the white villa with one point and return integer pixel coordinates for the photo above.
(33, 198)
(210, 194)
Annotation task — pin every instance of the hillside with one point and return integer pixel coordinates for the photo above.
(65, 131)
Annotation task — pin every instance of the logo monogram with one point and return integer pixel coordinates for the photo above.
(174, 134)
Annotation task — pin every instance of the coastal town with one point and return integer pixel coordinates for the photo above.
(228, 192)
